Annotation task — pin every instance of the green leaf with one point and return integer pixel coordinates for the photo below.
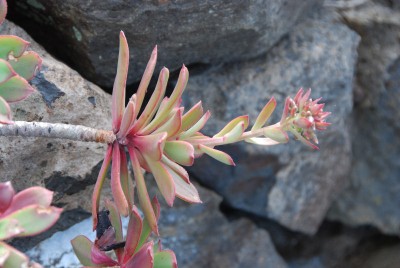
(15, 89)
(265, 114)
(173, 125)
(12, 45)
(192, 116)
(34, 219)
(115, 220)
(232, 124)
(11, 258)
(181, 152)
(196, 127)
(165, 259)
(5, 112)
(82, 247)
(27, 65)
(276, 134)
(6, 71)
(235, 133)
(218, 155)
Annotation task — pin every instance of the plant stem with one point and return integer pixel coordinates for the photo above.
(57, 131)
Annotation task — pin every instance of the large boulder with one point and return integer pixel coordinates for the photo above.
(67, 167)
(373, 195)
(288, 183)
(85, 33)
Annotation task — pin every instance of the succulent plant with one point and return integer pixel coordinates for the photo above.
(163, 138)
(17, 67)
(132, 252)
(23, 214)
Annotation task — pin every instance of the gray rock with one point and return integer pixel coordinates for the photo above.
(85, 33)
(288, 183)
(199, 235)
(66, 167)
(373, 195)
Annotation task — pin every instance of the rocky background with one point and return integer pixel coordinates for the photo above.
(285, 206)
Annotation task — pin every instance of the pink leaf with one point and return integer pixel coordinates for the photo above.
(181, 152)
(118, 96)
(133, 234)
(99, 184)
(3, 10)
(99, 257)
(30, 196)
(6, 195)
(150, 145)
(143, 258)
(116, 188)
(183, 190)
(127, 119)
(126, 182)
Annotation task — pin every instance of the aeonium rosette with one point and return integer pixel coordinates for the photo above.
(163, 138)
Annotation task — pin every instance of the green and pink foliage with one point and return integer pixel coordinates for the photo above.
(26, 213)
(132, 252)
(17, 67)
(163, 137)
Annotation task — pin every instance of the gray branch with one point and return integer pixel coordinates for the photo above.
(57, 131)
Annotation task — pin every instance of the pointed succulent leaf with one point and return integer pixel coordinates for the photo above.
(118, 96)
(217, 154)
(303, 140)
(6, 195)
(165, 259)
(144, 83)
(183, 190)
(99, 257)
(303, 122)
(6, 71)
(173, 125)
(175, 97)
(285, 112)
(262, 141)
(99, 184)
(107, 238)
(11, 258)
(234, 134)
(143, 195)
(127, 119)
(116, 188)
(133, 234)
(115, 220)
(232, 124)
(164, 180)
(126, 182)
(181, 152)
(5, 112)
(82, 247)
(152, 105)
(9, 228)
(32, 196)
(150, 145)
(276, 134)
(27, 64)
(143, 258)
(34, 219)
(15, 89)
(177, 168)
(146, 229)
(196, 127)
(3, 10)
(265, 114)
(11, 45)
(192, 116)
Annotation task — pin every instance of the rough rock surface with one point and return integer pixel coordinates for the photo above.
(288, 183)
(199, 234)
(65, 167)
(373, 195)
(85, 33)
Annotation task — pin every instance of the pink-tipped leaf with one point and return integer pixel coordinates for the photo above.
(11, 45)
(217, 155)
(183, 190)
(265, 114)
(181, 152)
(116, 188)
(99, 184)
(165, 259)
(82, 247)
(244, 119)
(276, 134)
(192, 116)
(196, 127)
(5, 112)
(144, 83)
(164, 180)
(11, 258)
(15, 89)
(262, 141)
(151, 145)
(6, 71)
(118, 96)
(127, 119)
(176, 168)
(27, 65)
(173, 125)
(134, 231)
(235, 133)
